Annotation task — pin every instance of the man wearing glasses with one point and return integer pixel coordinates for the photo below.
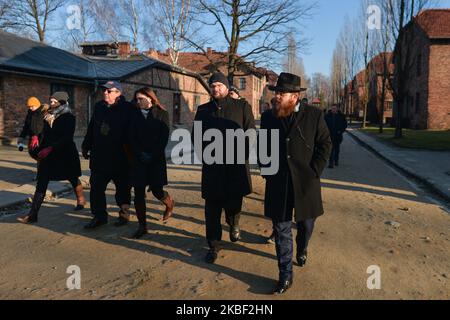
(104, 145)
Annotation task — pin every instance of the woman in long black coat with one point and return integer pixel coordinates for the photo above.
(57, 154)
(148, 138)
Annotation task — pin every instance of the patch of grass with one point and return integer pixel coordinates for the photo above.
(414, 139)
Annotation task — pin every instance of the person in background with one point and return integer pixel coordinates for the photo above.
(337, 124)
(234, 93)
(33, 127)
(57, 155)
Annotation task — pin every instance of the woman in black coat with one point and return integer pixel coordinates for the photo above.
(57, 154)
(148, 138)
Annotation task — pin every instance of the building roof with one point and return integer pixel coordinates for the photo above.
(205, 63)
(19, 54)
(378, 62)
(435, 23)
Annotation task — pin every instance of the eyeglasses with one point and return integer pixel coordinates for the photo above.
(110, 91)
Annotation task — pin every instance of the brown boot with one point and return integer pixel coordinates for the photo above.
(170, 204)
(81, 201)
(124, 216)
(142, 218)
(32, 216)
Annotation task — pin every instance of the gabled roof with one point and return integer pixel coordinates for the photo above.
(435, 23)
(378, 62)
(22, 54)
(19, 54)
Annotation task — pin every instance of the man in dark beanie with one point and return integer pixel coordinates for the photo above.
(304, 147)
(105, 145)
(223, 185)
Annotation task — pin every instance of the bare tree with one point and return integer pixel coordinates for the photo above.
(131, 20)
(108, 19)
(174, 19)
(35, 15)
(6, 20)
(71, 38)
(321, 88)
(253, 29)
(293, 63)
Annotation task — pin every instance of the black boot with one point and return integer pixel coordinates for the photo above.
(141, 215)
(211, 256)
(32, 216)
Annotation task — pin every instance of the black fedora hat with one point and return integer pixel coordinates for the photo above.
(288, 82)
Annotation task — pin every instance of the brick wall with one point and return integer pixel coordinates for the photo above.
(439, 86)
(17, 89)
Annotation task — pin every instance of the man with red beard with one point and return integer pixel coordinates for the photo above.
(304, 149)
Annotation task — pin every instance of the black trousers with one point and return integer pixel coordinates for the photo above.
(140, 194)
(285, 247)
(213, 214)
(283, 236)
(99, 181)
(334, 157)
(43, 181)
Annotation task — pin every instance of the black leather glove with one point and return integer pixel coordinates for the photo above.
(145, 158)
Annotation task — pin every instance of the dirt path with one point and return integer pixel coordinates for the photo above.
(360, 197)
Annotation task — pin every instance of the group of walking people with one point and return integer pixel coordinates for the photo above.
(125, 143)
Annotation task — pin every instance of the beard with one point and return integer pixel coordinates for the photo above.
(284, 110)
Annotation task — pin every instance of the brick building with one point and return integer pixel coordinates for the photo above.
(376, 69)
(356, 90)
(427, 38)
(29, 68)
(251, 81)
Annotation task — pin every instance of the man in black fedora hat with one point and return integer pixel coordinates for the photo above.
(304, 149)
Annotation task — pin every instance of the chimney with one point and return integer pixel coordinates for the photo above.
(152, 53)
(124, 49)
(209, 50)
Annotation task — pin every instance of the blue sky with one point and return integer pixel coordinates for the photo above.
(324, 29)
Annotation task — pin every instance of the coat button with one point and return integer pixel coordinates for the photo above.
(288, 156)
(288, 139)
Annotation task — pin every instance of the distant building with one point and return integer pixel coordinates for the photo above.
(426, 104)
(250, 80)
(376, 71)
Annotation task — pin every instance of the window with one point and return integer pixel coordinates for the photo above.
(389, 106)
(419, 65)
(242, 83)
(54, 87)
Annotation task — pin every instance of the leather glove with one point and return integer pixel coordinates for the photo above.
(44, 153)
(85, 153)
(34, 142)
(145, 157)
